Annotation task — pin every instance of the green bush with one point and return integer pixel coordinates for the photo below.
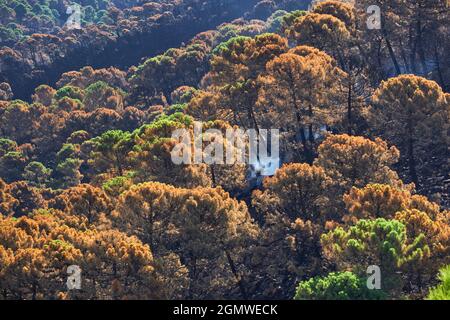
(337, 286)
(442, 291)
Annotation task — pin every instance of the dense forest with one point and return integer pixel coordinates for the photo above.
(87, 176)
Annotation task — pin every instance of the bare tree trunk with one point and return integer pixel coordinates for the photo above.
(308, 153)
(391, 53)
(213, 176)
(439, 70)
(349, 106)
(412, 52)
(239, 279)
(420, 47)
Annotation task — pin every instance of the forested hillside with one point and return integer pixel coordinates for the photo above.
(88, 177)
(113, 34)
